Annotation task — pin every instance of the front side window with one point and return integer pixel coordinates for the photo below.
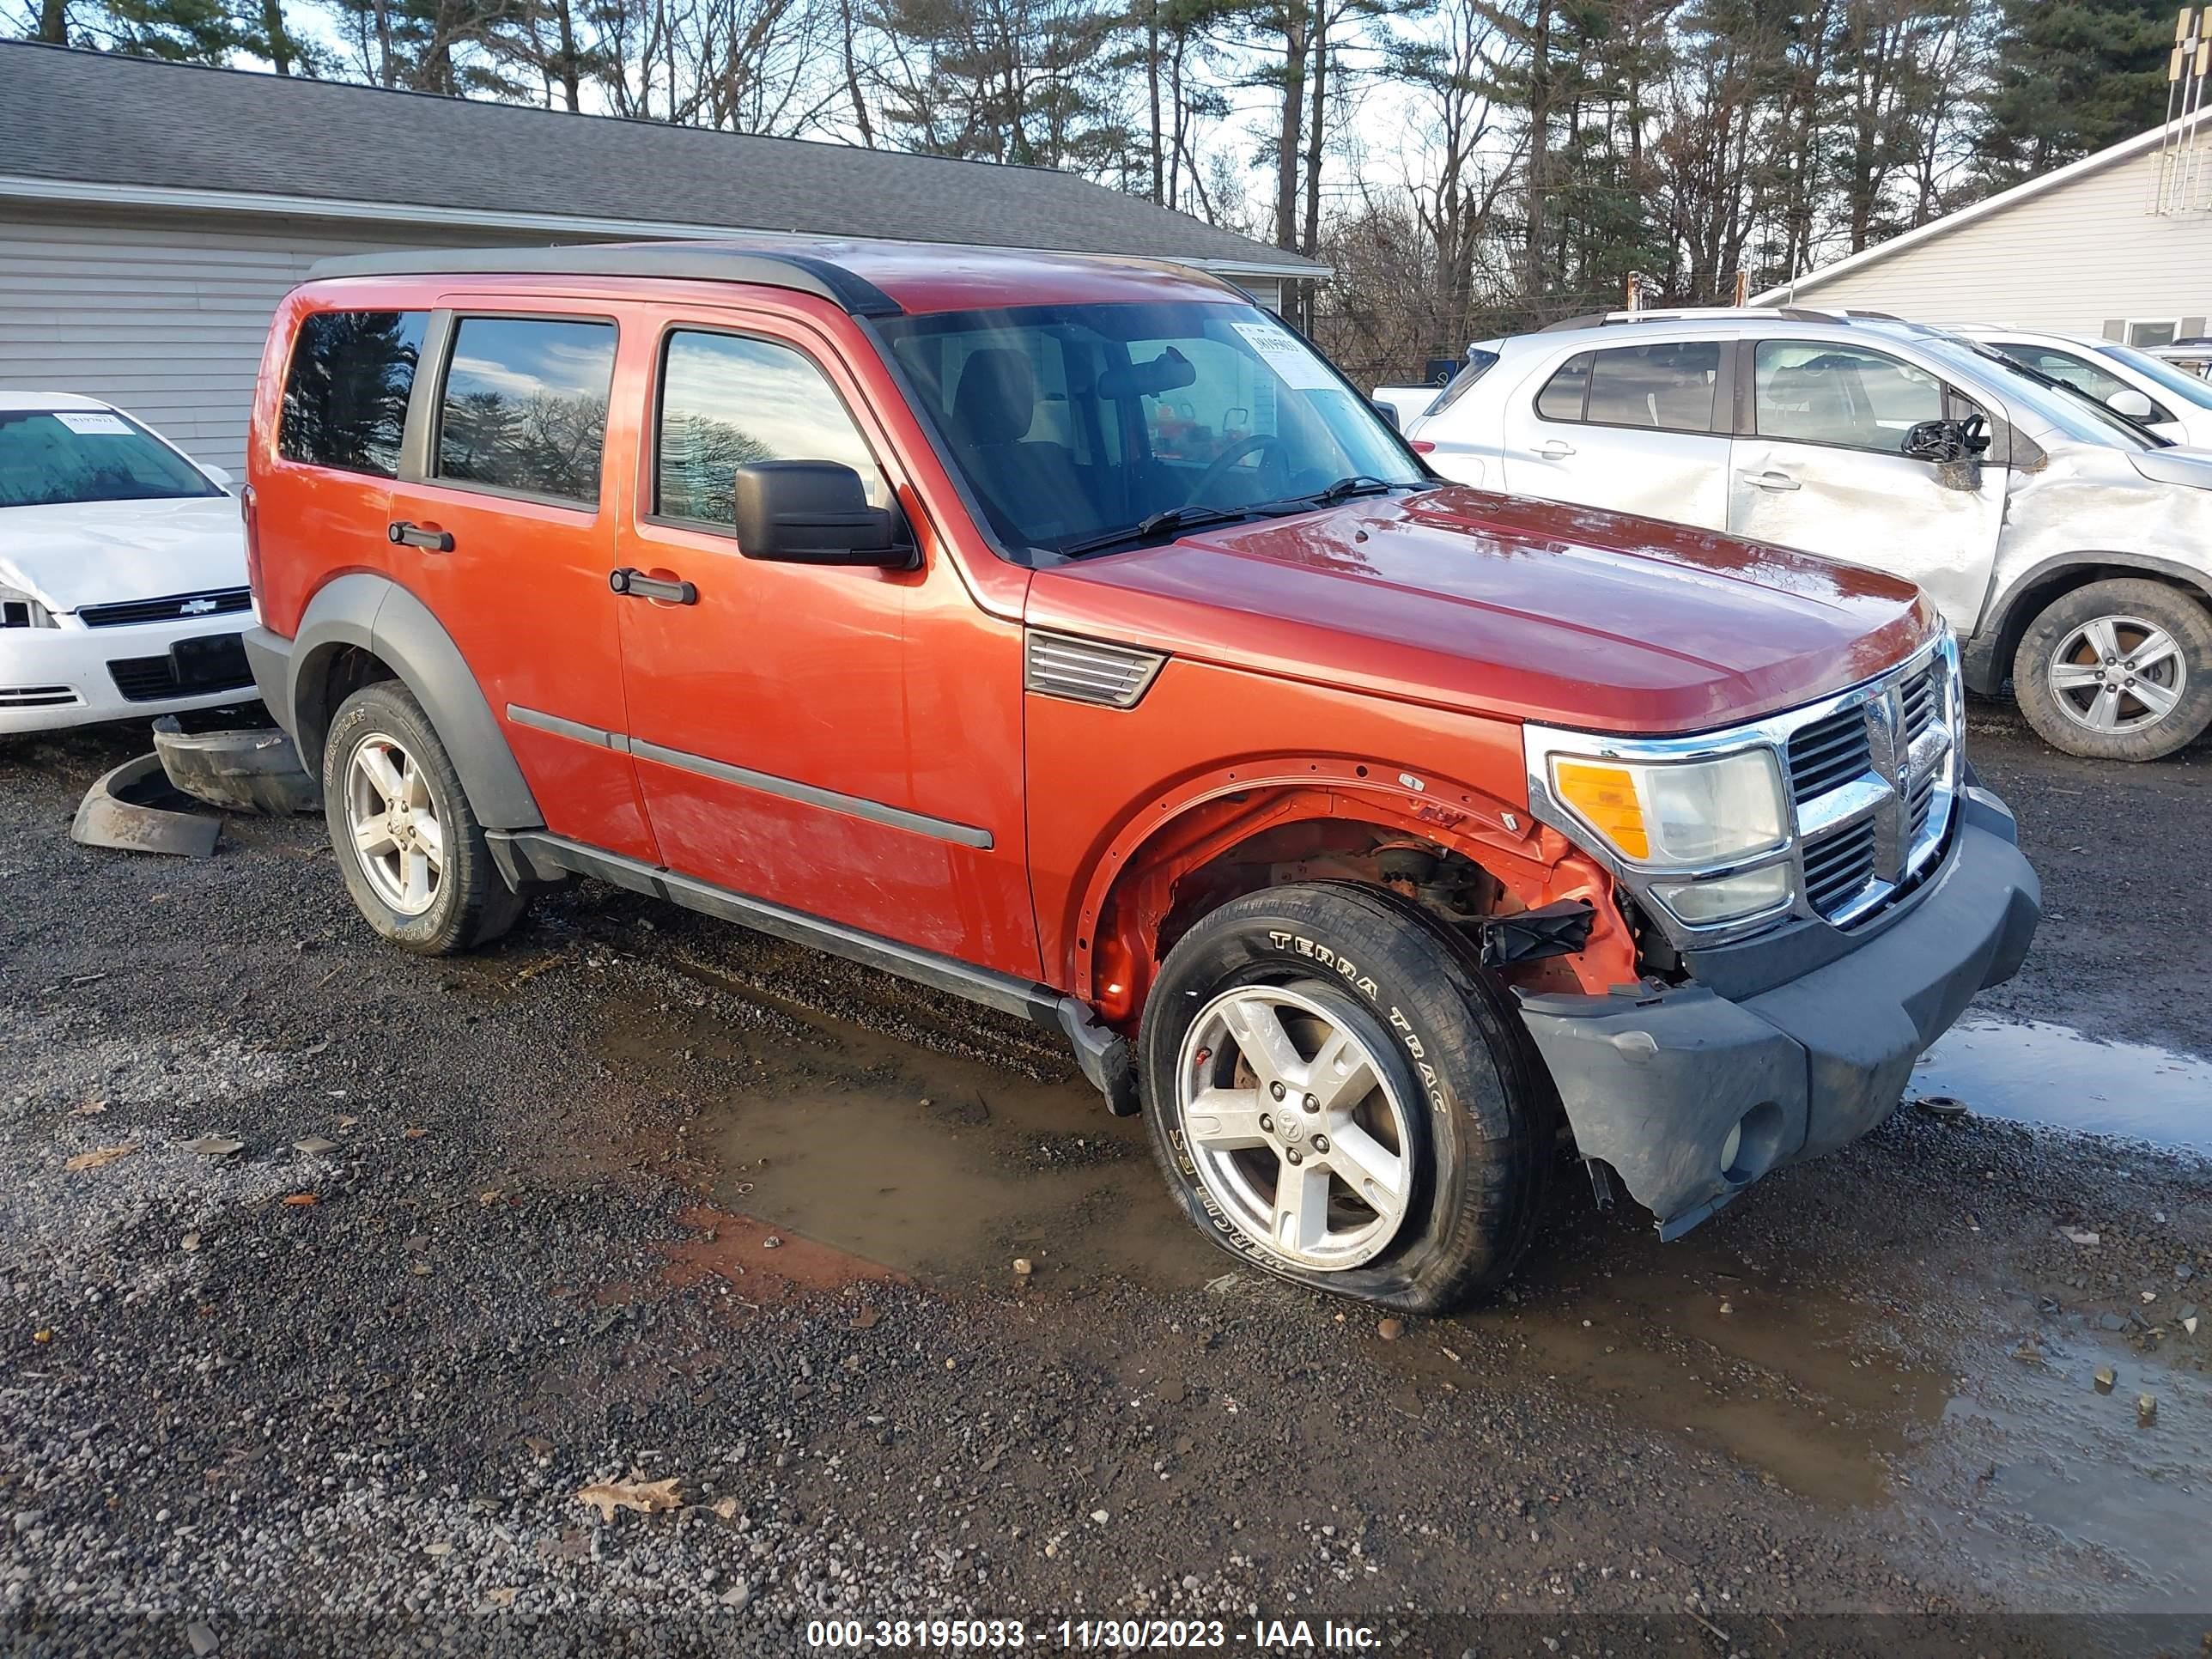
(1071, 424)
(345, 396)
(1815, 392)
(52, 458)
(727, 400)
(2077, 372)
(525, 405)
(2186, 388)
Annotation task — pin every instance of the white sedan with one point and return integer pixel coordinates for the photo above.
(123, 587)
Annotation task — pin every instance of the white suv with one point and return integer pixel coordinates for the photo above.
(2070, 548)
(2170, 401)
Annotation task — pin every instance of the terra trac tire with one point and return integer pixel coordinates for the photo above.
(412, 853)
(1339, 1094)
(2118, 670)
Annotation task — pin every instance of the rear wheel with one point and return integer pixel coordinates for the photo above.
(410, 850)
(2117, 670)
(1339, 1094)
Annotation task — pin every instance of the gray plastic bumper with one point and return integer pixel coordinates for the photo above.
(1656, 1084)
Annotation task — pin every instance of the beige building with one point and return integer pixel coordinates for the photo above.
(2118, 243)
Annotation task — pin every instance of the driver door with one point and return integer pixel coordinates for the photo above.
(1823, 469)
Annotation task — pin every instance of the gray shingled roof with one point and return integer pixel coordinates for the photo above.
(91, 118)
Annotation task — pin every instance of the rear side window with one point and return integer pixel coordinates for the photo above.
(525, 406)
(1561, 399)
(1478, 363)
(727, 400)
(1667, 387)
(345, 396)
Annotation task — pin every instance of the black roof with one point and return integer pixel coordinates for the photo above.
(100, 119)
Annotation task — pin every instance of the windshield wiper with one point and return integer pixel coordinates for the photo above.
(1360, 483)
(1173, 519)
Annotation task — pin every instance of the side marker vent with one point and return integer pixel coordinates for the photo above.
(1089, 670)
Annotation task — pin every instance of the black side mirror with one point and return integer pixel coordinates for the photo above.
(1388, 411)
(815, 513)
(1937, 441)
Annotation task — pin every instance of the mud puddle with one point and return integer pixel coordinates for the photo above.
(935, 1167)
(1814, 1390)
(2065, 1484)
(2036, 1072)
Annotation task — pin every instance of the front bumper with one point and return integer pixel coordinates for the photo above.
(1657, 1084)
(53, 677)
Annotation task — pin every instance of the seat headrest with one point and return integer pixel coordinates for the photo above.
(996, 400)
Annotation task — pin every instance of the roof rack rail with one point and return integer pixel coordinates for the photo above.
(707, 261)
(1703, 314)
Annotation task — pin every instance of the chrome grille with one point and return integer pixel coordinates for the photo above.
(1088, 671)
(1828, 752)
(1918, 695)
(1838, 870)
(175, 607)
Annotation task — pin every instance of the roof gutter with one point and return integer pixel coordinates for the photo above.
(83, 193)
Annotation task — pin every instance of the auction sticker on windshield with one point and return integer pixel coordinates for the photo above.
(90, 423)
(1287, 354)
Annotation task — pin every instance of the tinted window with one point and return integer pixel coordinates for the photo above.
(525, 405)
(1820, 393)
(726, 401)
(1478, 363)
(47, 458)
(1561, 399)
(345, 400)
(1668, 387)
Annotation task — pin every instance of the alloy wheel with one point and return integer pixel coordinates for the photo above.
(394, 820)
(2118, 674)
(1297, 1135)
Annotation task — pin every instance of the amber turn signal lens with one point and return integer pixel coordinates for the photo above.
(1606, 797)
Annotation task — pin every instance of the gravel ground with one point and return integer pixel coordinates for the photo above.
(634, 1198)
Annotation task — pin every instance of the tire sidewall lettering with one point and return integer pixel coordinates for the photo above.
(1402, 1026)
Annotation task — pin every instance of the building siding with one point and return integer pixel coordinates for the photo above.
(2071, 259)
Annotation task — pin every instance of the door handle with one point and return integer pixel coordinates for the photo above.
(636, 584)
(403, 534)
(1555, 449)
(1769, 480)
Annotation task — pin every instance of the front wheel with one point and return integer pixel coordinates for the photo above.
(2118, 670)
(1338, 1093)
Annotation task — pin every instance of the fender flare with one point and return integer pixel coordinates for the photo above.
(1986, 658)
(375, 614)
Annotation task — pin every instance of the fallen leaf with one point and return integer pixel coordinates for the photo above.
(866, 1316)
(645, 1497)
(416, 1133)
(189, 1242)
(348, 1122)
(315, 1145)
(726, 1508)
(538, 1443)
(100, 1156)
(90, 1107)
(42, 1336)
(214, 1146)
(301, 1200)
(503, 1596)
(422, 1269)
(489, 1198)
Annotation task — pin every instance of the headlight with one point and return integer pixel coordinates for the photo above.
(1677, 812)
(19, 610)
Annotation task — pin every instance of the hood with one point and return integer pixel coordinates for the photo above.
(2190, 468)
(99, 552)
(1500, 604)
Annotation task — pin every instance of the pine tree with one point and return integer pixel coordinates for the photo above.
(2073, 76)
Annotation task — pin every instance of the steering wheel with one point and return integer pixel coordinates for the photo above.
(1218, 468)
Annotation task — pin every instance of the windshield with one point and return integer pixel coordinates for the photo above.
(2187, 386)
(57, 457)
(1078, 426)
(2069, 410)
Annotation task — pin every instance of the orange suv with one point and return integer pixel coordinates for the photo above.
(1379, 837)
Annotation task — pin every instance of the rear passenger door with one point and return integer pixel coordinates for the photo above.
(502, 523)
(1639, 428)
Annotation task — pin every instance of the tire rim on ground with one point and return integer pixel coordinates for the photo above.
(2114, 674)
(394, 820)
(1297, 1132)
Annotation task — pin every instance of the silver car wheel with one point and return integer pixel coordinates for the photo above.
(2118, 674)
(394, 819)
(1298, 1137)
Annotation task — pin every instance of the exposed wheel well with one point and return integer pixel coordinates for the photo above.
(2031, 599)
(328, 680)
(1275, 838)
